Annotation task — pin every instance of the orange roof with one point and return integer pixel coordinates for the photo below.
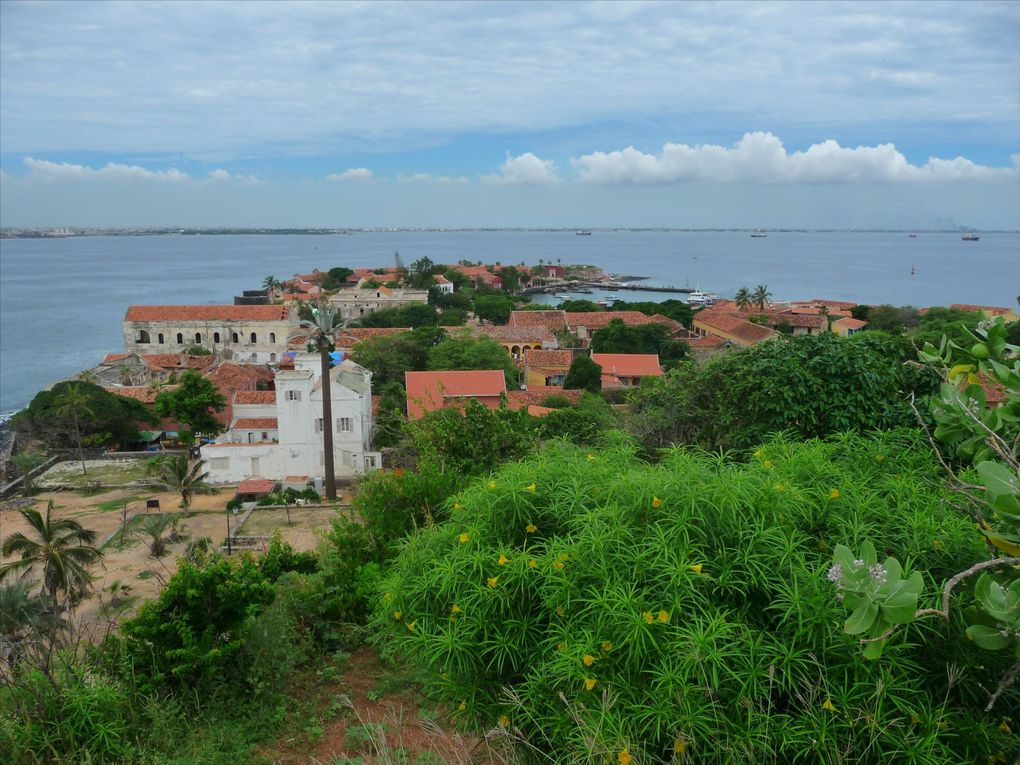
(600, 319)
(628, 364)
(352, 335)
(995, 392)
(114, 357)
(178, 361)
(206, 313)
(256, 486)
(850, 323)
(543, 358)
(993, 310)
(708, 341)
(428, 391)
(834, 303)
(551, 320)
(800, 320)
(536, 394)
(672, 324)
(504, 333)
(255, 397)
(255, 423)
(143, 393)
(734, 325)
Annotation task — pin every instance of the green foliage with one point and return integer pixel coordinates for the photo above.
(678, 310)
(392, 411)
(198, 350)
(281, 557)
(510, 278)
(462, 351)
(585, 423)
(193, 403)
(892, 319)
(390, 356)
(26, 463)
(579, 306)
(413, 315)
(584, 374)
(606, 606)
(493, 308)
(617, 337)
(420, 273)
(101, 412)
(951, 323)
(335, 278)
(813, 385)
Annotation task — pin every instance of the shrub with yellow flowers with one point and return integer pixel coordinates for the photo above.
(598, 608)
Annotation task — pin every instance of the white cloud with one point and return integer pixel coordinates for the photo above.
(524, 170)
(41, 168)
(762, 158)
(351, 174)
(429, 178)
(219, 175)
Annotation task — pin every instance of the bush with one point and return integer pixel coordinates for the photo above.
(596, 606)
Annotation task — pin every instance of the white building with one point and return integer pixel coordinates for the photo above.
(281, 438)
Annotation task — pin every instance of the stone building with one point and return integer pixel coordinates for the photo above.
(356, 303)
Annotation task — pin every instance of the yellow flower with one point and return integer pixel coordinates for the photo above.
(461, 706)
(879, 458)
(492, 580)
(648, 617)
(444, 675)
(458, 506)
(623, 757)
(591, 458)
(938, 544)
(696, 568)
(607, 646)
(558, 565)
(780, 487)
(532, 563)
(503, 560)
(679, 746)
(656, 502)
(828, 706)
(397, 615)
(663, 617)
(588, 660)
(1004, 727)
(561, 646)
(767, 464)
(532, 487)
(387, 597)
(455, 609)
(559, 610)
(532, 528)
(410, 626)
(914, 719)
(504, 721)
(833, 493)
(758, 453)
(463, 538)
(562, 556)
(589, 683)
(492, 484)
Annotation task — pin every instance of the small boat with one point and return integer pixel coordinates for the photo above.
(970, 236)
(582, 232)
(913, 236)
(912, 271)
(612, 297)
(759, 234)
(564, 296)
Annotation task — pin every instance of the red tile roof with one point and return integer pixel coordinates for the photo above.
(428, 391)
(543, 358)
(708, 341)
(206, 313)
(509, 334)
(850, 323)
(256, 486)
(798, 320)
(143, 393)
(628, 364)
(995, 392)
(255, 397)
(600, 319)
(834, 303)
(255, 423)
(114, 357)
(992, 310)
(536, 394)
(551, 320)
(734, 325)
(346, 338)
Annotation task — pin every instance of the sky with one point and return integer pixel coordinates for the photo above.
(375, 114)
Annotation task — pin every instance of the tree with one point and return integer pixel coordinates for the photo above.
(584, 374)
(272, 285)
(761, 296)
(192, 403)
(177, 473)
(335, 278)
(743, 298)
(320, 337)
(889, 318)
(580, 306)
(74, 402)
(494, 308)
(419, 275)
(388, 357)
(511, 279)
(462, 351)
(413, 315)
(62, 551)
(27, 462)
(153, 529)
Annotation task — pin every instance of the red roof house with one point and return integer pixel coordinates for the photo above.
(429, 391)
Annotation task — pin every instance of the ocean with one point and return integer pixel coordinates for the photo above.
(62, 300)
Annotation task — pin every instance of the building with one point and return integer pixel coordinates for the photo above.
(429, 391)
(281, 435)
(625, 370)
(733, 328)
(518, 340)
(480, 275)
(991, 311)
(242, 333)
(848, 327)
(348, 337)
(443, 285)
(356, 303)
(546, 368)
(584, 324)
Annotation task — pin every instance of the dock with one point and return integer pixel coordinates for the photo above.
(608, 286)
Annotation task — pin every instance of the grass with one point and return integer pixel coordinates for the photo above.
(265, 522)
(116, 473)
(131, 538)
(115, 504)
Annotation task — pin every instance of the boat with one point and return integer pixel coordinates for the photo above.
(612, 297)
(698, 298)
(564, 296)
(582, 232)
(759, 234)
(970, 236)
(913, 236)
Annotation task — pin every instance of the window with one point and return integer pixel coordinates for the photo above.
(265, 436)
(272, 357)
(234, 338)
(215, 337)
(254, 338)
(293, 395)
(198, 338)
(160, 339)
(180, 339)
(272, 337)
(219, 463)
(318, 425)
(142, 337)
(344, 424)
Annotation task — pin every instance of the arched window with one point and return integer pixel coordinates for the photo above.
(272, 337)
(180, 339)
(143, 337)
(515, 352)
(254, 339)
(272, 357)
(215, 337)
(234, 338)
(198, 338)
(159, 338)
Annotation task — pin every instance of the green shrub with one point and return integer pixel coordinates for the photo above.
(607, 610)
(280, 558)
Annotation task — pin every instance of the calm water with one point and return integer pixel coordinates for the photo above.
(62, 300)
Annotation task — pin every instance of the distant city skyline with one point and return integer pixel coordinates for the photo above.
(809, 115)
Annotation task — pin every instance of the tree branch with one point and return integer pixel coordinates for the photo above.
(1007, 680)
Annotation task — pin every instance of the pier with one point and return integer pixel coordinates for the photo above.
(575, 286)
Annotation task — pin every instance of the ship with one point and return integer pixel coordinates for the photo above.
(970, 236)
(759, 234)
(697, 298)
(582, 232)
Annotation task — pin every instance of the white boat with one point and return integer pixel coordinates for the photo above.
(699, 298)
(583, 232)
(759, 234)
(970, 236)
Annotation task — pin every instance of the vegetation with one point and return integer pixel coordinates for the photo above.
(27, 463)
(181, 475)
(617, 337)
(320, 330)
(584, 374)
(465, 352)
(390, 356)
(193, 403)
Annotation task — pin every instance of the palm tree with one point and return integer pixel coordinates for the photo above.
(272, 284)
(26, 463)
(743, 298)
(25, 617)
(74, 402)
(153, 529)
(761, 296)
(181, 476)
(320, 331)
(62, 549)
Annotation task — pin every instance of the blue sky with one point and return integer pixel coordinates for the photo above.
(510, 114)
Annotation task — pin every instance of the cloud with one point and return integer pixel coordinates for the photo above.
(762, 158)
(41, 168)
(351, 174)
(524, 170)
(219, 175)
(428, 178)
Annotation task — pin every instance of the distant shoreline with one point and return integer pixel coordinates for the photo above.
(72, 232)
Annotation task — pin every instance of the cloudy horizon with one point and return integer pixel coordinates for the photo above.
(823, 115)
